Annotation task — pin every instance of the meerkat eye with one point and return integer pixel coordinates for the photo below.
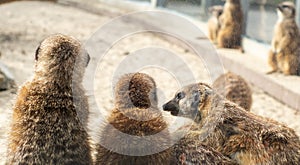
(180, 95)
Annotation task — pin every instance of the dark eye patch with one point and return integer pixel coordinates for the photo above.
(285, 6)
(180, 95)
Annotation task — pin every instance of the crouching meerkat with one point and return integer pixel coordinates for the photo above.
(285, 52)
(236, 133)
(229, 35)
(214, 23)
(234, 88)
(45, 126)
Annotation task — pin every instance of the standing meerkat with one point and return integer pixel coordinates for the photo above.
(229, 35)
(236, 133)
(46, 128)
(214, 23)
(285, 52)
(234, 88)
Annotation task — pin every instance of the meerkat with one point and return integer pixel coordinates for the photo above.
(135, 114)
(135, 95)
(45, 126)
(285, 52)
(214, 24)
(229, 35)
(236, 133)
(234, 88)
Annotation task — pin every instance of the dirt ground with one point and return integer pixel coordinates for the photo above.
(24, 24)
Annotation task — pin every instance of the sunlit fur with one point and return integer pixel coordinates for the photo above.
(46, 128)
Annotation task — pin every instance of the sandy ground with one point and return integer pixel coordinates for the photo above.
(21, 32)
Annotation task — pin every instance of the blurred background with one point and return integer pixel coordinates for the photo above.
(260, 14)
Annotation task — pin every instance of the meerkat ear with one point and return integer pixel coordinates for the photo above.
(37, 51)
(88, 60)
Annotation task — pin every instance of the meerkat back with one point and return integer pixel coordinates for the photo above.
(234, 88)
(45, 126)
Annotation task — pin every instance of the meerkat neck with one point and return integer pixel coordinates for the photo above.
(280, 16)
(203, 110)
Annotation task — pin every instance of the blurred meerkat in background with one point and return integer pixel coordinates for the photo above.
(234, 88)
(284, 54)
(214, 24)
(231, 25)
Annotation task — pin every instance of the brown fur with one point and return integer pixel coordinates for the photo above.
(136, 113)
(191, 150)
(45, 125)
(284, 56)
(241, 135)
(231, 25)
(214, 23)
(234, 88)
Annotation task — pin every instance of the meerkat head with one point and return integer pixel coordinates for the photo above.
(60, 57)
(216, 11)
(286, 10)
(136, 90)
(189, 101)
